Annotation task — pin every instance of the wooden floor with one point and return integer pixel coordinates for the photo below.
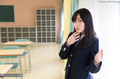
(46, 63)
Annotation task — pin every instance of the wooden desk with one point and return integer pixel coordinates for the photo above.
(14, 52)
(5, 68)
(18, 43)
(28, 43)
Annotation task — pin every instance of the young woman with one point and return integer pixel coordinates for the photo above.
(82, 48)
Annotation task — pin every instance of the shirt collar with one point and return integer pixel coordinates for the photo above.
(82, 36)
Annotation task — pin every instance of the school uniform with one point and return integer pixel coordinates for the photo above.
(80, 62)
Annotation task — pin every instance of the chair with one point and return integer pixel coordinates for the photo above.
(15, 65)
(1, 63)
(25, 53)
(9, 47)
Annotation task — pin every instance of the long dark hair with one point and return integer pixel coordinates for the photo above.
(89, 29)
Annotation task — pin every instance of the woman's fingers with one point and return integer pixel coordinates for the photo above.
(73, 38)
(77, 37)
(101, 54)
(76, 40)
(74, 35)
(101, 51)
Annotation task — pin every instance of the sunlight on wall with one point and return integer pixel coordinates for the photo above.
(106, 18)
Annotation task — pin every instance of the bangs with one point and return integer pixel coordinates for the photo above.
(75, 16)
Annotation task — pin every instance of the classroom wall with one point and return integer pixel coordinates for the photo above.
(24, 11)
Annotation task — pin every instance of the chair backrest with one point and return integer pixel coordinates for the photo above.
(10, 47)
(1, 62)
(22, 40)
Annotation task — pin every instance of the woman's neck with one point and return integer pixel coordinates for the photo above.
(83, 33)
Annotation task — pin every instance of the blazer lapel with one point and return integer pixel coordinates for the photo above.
(79, 43)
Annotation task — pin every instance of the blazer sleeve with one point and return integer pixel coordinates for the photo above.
(94, 51)
(64, 51)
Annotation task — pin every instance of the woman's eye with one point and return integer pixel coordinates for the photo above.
(80, 20)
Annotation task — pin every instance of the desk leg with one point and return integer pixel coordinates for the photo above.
(20, 67)
(30, 67)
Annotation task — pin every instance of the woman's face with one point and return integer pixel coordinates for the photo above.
(79, 25)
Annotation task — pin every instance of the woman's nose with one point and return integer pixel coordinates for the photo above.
(77, 24)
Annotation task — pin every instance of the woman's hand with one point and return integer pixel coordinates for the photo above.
(73, 38)
(98, 57)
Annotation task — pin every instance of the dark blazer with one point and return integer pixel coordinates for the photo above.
(80, 62)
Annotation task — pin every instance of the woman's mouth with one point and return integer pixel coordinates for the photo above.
(77, 28)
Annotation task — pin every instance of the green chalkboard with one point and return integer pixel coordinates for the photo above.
(6, 13)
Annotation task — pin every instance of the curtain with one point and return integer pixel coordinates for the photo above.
(74, 7)
(62, 22)
(106, 19)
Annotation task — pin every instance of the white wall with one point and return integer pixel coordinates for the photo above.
(106, 19)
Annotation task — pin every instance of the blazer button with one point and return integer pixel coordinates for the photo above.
(71, 55)
(69, 65)
(64, 49)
